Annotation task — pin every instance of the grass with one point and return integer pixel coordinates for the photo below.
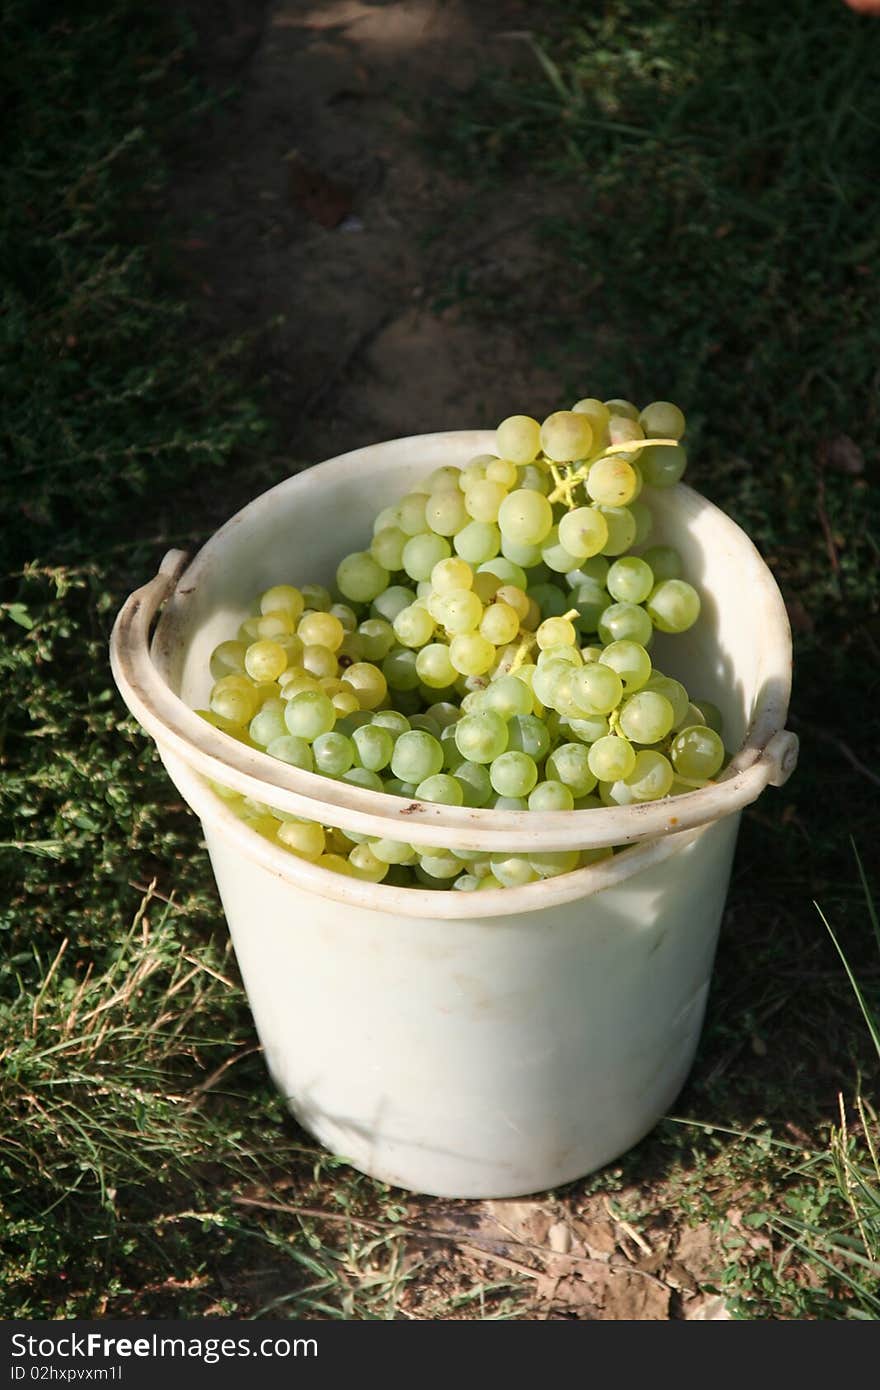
(710, 179)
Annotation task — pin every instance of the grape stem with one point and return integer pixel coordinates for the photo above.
(565, 486)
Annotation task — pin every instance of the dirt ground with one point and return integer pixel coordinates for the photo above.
(307, 196)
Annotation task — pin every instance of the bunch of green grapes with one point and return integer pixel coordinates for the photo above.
(490, 648)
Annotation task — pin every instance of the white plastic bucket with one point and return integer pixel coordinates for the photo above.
(458, 1044)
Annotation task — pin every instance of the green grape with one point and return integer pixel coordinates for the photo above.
(480, 738)
(477, 542)
(446, 513)
(363, 777)
(629, 580)
(284, 598)
(374, 745)
(550, 599)
(643, 518)
(393, 786)
(412, 513)
(268, 723)
(625, 622)
(471, 654)
(593, 570)
(422, 552)
(365, 864)
(346, 616)
(588, 729)
(368, 682)
(590, 600)
(444, 713)
(440, 787)
(389, 851)
(483, 500)
(675, 693)
(509, 803)
(611, 482)
(424, 722)
(350, 722)
(387, 547)
(665, 562)
(512, 870)
(646, 717)
(377, 638)
(351, 648)
(460, 611)
(518, 438)
(571, 655)
(504, 471)
(525, 517)
(289, 748)
(234, 698)
(474, 781)
(663, 465)
(621, 529)
(505, 570)
(552, 683)
(711, 715)
(333, 754)
(630, 661)
(228, 659)
(499, 624)
(507, 696)
(390, 719)
(413, 626)
(583, 532)
(526, 733)
(443, 479)
(388, 604)
(452, 574)
(526, 556)
(320, 662)
(417, 755)
(697, 752)
(513, 774)
(662, 420)
(360, 578)
(598, 415)
(551, 796)
(566, 435)
(552, 863)
(652, 775)
(611, 758)
(303, 838)
(625, 409)
(533, 477)
(569, 763)
(434, 667)
(466, 883)
(475, 471)
(555, 556)
(596, 689)
(399, 670)
(439, 864)
(674, 605)
(309, 714)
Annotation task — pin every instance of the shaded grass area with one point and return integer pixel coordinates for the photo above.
(138, 1115)
(134, 1106)
(710, 179)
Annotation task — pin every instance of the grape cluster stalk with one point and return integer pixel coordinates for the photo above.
(489, 648)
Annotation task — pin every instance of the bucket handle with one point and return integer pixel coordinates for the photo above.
(173, 725)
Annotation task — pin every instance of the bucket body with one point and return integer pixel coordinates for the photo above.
(472, 1045)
